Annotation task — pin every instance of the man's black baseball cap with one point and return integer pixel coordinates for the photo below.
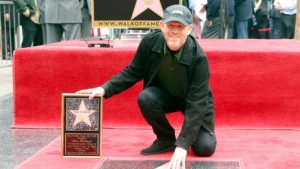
(178, 13)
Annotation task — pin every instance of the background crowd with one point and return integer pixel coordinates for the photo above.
(45, 21)
(48, 21)
(242, 19)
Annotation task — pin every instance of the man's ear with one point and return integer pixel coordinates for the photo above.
(161, 25)
(190, 28)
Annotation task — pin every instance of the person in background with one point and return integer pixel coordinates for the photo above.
(201, 12)
(29, 18)
(190, 4)
(86, 25)
(41, 6)
(214, 23)
(175, 72)
(196, 24)
(276, 30)
(8, 30)
(288, 11)
(243, 12)
(63, 20)
(260, 30)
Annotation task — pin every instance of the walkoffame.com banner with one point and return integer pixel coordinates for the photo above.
(129, 13)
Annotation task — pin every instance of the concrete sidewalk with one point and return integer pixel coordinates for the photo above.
(6, 82)
(17, 145)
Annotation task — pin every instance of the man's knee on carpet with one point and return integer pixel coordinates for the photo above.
(205, 144)
(203, 150)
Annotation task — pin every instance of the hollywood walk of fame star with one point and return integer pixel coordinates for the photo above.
(142, 5)
(82, 114)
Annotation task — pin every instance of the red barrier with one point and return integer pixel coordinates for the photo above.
(255, 83)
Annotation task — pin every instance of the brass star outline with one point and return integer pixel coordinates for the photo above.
(82, 114)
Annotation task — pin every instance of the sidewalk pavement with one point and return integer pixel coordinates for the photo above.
(17, 145)
(6, 82)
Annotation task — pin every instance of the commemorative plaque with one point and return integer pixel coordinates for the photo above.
(81, 125)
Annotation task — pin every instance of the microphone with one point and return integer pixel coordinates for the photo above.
(101, 45)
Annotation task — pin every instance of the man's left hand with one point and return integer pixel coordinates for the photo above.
(208, 23)
(178, 159)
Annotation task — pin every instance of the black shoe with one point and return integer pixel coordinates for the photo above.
(158, 147)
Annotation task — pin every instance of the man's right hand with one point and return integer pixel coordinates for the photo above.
(98, 91)
(26, 13)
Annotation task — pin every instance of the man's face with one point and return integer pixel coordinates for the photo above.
(175, 34)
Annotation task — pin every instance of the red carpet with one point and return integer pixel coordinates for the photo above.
(255, 83)
(257, 149)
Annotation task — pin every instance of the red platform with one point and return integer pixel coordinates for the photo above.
(255, 83)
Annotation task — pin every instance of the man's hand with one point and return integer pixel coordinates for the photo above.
(98, 91)
(178, 159)
(26, 13)
(278, 6)
(202, 9)
(255, 9)
(208, 23)
(6, 17)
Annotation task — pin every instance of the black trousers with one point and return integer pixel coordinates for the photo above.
(276, 31)
(155, 102)
(32, 32)
(214, 31)
(288, 25)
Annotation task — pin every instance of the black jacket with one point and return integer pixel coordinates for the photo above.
(213, 8)
(243, 10)
(23, 5)
(273, 13)
(195, 74)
